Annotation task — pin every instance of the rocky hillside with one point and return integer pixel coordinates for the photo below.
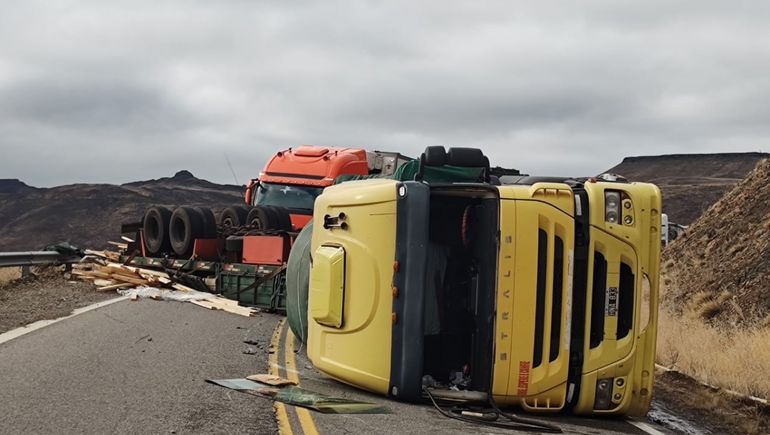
(720, 268)
(89, 215)
(690, 183)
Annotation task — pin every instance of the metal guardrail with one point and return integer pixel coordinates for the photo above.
(34, 258)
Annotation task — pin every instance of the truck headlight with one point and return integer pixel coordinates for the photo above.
(612, 206)
(603, 398)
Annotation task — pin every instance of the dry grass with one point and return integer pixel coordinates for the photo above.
(8, 274)
(723, 356)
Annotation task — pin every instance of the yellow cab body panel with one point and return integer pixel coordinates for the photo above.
(541, 295)
(358, 351)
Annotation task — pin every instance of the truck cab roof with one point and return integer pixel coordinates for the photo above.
(314, 165)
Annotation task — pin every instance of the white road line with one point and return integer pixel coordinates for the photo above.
(645, 427)
(18, 332)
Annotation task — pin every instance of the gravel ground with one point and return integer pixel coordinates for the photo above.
(44, 295)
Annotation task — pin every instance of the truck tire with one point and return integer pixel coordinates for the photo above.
(297, 283)
(466, 157)
(262, 218)
(209, 222)
(155, 230)
(233, 217)
(283, 218)
(434, 156)
(186, 226)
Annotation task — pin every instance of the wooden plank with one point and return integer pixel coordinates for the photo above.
(103, 282)
(115, 287)
(92, 275)
(273, 380)
(182, 288)
(118, 244)
(204, 304)
(123, 278)
(225, 301)
(112, 256)
(119, 270)
(138, 270)
(241, 311)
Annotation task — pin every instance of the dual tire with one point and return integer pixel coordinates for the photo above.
(234, 217)
(155, 229)
(165, 231)
(265, 217)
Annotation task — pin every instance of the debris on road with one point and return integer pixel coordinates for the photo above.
(273, 380)
(136, 282)
(296, 396)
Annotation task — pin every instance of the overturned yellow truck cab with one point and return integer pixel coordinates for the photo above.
(536, 292)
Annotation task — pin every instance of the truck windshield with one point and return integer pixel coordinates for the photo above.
(285, 195)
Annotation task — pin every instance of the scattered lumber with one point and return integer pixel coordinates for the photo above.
(215, 304)
(115, 287)
(109, 275)
(110, 255)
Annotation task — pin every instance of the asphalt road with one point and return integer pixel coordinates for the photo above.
(136, 367)
(140, 367)
(411, 418)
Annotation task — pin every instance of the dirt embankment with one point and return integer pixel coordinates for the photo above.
(715, 311)
(682, 404)
(46, 294)
(720, 268)
(89, 215)
(690, 183)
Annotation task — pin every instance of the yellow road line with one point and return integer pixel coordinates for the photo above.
(284, 427)
(305, 419)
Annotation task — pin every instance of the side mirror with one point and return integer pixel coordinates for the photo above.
(250, 189)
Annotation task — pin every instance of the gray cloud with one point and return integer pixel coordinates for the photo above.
(119, 91)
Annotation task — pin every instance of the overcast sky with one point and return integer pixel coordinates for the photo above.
(108, 91)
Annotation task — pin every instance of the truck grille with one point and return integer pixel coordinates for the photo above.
(556, 291)
(598, 300)
(558, 285)
(625, 301)
(542, 267)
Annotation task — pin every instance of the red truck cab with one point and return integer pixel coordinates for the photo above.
(293, 178)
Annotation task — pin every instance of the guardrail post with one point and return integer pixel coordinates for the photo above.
(25, 271)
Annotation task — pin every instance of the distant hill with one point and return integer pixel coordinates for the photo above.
(11, 185)
(89, 215)
(690, 183)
